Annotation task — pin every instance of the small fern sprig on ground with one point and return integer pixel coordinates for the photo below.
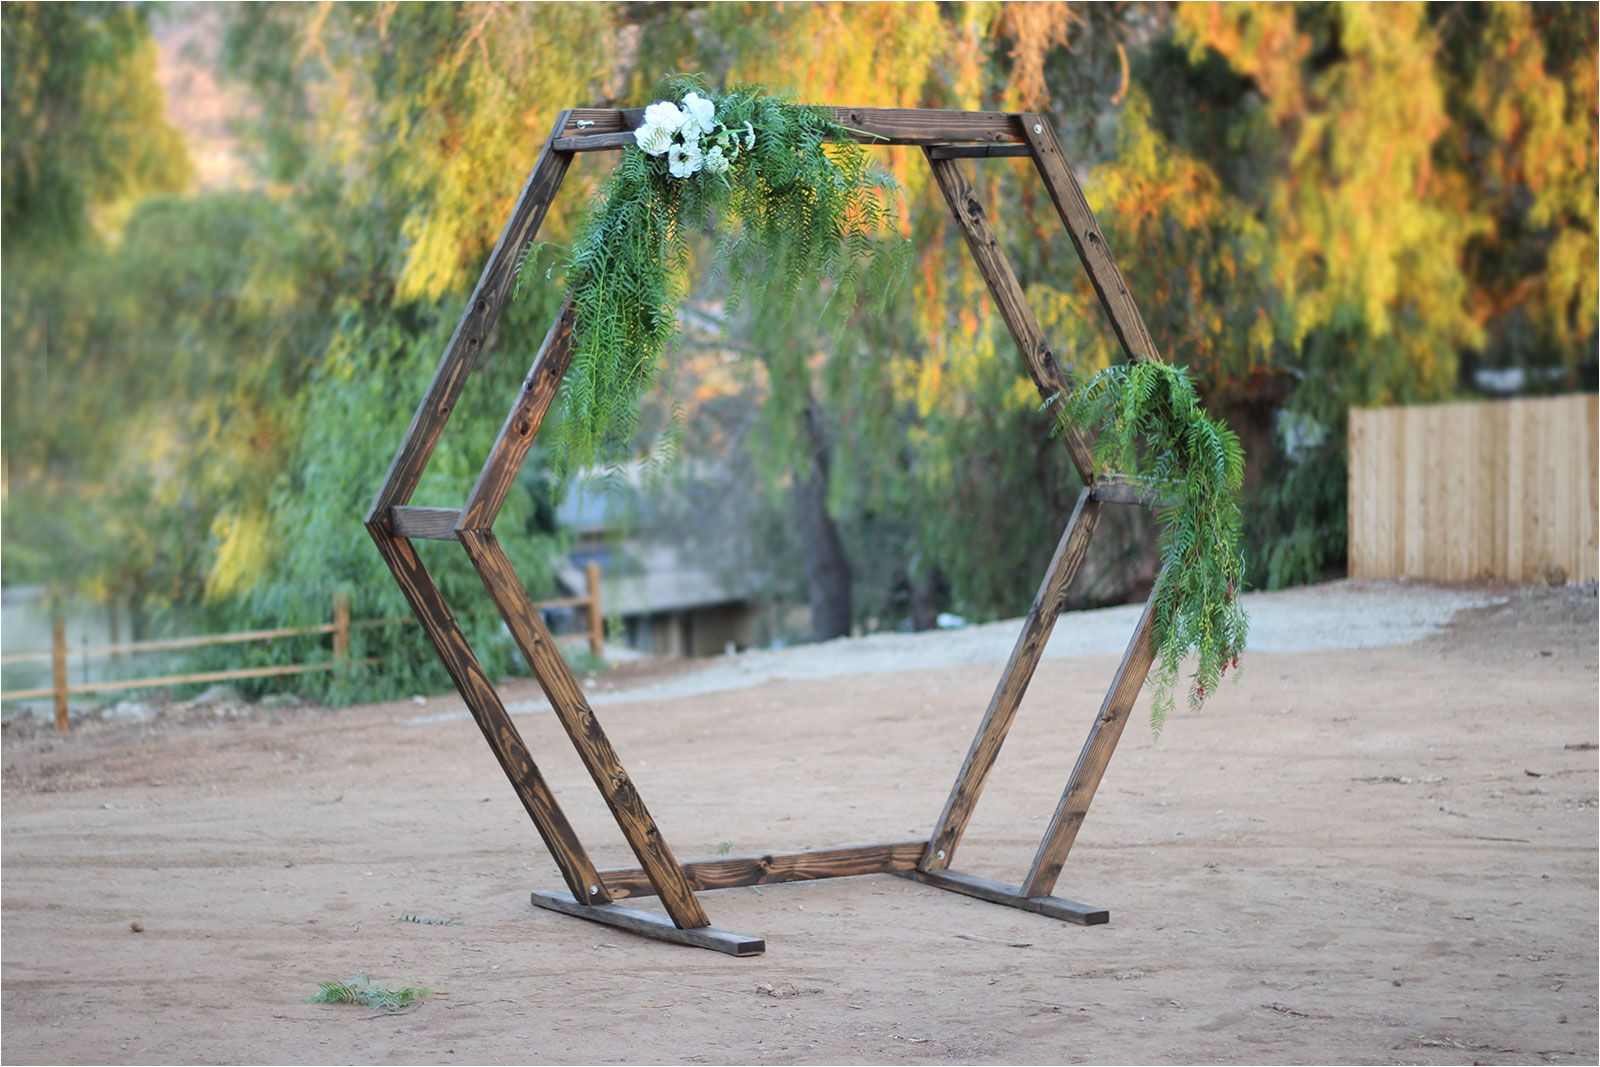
(360, 990)
(798, 203)
(1150, 423)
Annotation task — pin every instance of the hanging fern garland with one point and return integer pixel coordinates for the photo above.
(1150, 423)
(797, 200)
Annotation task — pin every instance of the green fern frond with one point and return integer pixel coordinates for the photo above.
(1150, 423)
(803, 204)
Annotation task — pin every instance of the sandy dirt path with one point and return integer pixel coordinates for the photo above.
(1377, 855)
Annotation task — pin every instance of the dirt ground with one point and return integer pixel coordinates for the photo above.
(1385, 855)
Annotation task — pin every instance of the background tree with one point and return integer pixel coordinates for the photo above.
(1317, 206)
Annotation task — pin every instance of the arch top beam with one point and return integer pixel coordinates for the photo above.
(593, 129)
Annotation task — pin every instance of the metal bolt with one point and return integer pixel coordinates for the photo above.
(1037, 128)
(940, 853)
(594, 890)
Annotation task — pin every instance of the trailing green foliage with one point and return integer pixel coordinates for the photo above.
(1150, 423)
(360, 990)
(798, 202)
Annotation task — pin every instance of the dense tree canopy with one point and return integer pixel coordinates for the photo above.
(1316, 206)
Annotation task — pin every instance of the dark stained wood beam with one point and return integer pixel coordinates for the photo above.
(1081, 226)
(651, 925)
(871, 125)
(577, 718)
(490, 714)
(466, 344)
(978, 151)
(843, 862)
(432, 524)
(539, 389)
(1092, 761)
(997, 719)
(999, 893)
(1121, 489)
(992, 263)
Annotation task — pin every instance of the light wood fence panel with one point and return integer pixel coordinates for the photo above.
(1502, 489)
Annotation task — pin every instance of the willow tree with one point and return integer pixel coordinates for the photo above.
(83, 138)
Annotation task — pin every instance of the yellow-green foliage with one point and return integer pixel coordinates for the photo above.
(1314, 205)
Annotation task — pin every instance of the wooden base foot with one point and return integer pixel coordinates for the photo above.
(1009, 895)
(651, 925)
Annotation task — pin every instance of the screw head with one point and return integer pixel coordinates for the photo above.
(940, 853)
(594, 890)
(1038, 128)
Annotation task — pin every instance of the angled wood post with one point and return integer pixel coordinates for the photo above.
(1092, 761)
(490, 714)
(527, 414)
(1037, 358)
(572, 708)
(1086, 237)
(483, 308)
(996, 723)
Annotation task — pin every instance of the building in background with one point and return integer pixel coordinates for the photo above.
(670, 601)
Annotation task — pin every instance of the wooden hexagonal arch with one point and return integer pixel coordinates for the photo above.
(946, 137)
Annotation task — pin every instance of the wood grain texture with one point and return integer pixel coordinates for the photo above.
(873, 125)
(572, 709)
(483, 308)
(996, 723)
(490, 714)
(978, 151)
(1121, 489)
(1502, 490)
(430, 524)
(651, 925)
(992, 263)
(58, 671)
(594, 142)
(1012, 897)
(845, 861)
(527, 414)
(1092, 761)
(1087, 239)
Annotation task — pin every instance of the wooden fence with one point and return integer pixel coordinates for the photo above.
(339, 627)
(1502, 489)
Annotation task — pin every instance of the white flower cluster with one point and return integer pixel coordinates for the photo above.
(691, 136)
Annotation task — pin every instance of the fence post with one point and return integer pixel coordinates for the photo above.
(58, 669)
(597, 619)
(341, 626)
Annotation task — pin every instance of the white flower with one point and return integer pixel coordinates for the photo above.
(716, 162)
(683, 160)
(702, 113)
(749, 135)
(665, 114)
(653, 139)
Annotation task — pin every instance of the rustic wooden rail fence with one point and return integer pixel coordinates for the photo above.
(1500, 489)
(340, 627)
